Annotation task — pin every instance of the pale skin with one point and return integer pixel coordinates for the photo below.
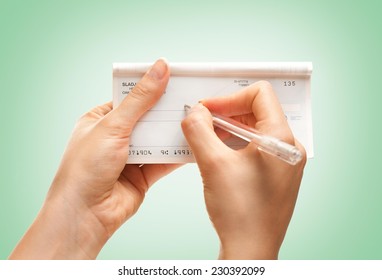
(249, 196)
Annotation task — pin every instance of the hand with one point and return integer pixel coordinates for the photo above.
(94, 192)
(250, 196)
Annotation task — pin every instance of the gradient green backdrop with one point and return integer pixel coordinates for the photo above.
(55, 64)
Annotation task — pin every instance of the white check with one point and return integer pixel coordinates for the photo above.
(158, 137)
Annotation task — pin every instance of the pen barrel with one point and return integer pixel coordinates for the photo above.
(268, 144)
(278, 148)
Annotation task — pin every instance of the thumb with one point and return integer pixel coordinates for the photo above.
(200, 135)
(143, 96)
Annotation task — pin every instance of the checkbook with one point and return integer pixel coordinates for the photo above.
(158, 137)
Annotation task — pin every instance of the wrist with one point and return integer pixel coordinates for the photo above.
(63, 229)
(237, 253)
(78, 230)
(252, 248)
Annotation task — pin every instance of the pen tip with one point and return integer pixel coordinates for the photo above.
(187, 107)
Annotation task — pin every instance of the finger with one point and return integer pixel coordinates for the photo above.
(303, 152)
(199, 132)
(258, 99)
(102, 110)
(143, 96)
(153, 172)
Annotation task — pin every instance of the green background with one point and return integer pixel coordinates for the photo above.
(55, 64)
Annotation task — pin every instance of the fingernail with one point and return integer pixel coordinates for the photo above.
(195, 108)
(188, 108)
(158, 70)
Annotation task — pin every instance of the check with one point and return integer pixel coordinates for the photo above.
(158, 137)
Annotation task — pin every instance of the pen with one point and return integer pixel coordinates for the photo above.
(268, 144)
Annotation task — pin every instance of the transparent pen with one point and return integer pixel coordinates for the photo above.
(268, 144)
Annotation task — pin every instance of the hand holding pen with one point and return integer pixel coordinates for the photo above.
(249, 195)
(268, 144)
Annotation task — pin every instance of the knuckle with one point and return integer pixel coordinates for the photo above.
(86, 116)
(303, 152)
(140, 91)
(262, 87)
(192, 121)
(285, 134)
(263, 84)
(115, 126)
